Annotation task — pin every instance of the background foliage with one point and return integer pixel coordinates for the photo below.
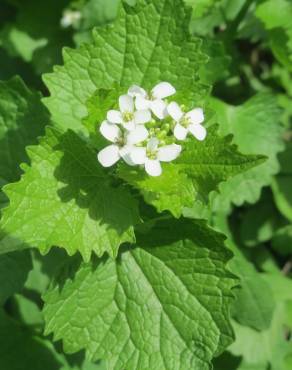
(59, 312)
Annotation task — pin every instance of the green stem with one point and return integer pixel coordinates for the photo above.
(232, 27)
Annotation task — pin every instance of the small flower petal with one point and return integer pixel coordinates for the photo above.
(175, 111)
(136, 90)
(125, 152)
(142, 116)
(139, 134)
(129, 125)
(142, 103)
(109, 155)
(152, 144)
(198, 131)
(110, 131)
(153, 167)
(163, 90)
(168, 153)
(138, 155)
(196, 115)
(126, 103)
(114, 116)
(158, 107)
(128, 160)
(180, 132)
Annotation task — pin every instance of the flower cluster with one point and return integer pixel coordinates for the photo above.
(146, 129)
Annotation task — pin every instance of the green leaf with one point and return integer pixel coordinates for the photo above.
(282, 240)
(257, 130)
(276, 16)
(95, 13)
(66, 199)
(22, 348)
(22, 120)
(281, 186)
(14, 269)
(254, 304)
(197, 172)
(218, 65)
(44, 269)
(201, 7)
(162, 305)
(28, 349)
(269, 346)
(147, 43)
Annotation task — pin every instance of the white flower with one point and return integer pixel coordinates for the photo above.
(127, 116)
(70, 17)
(154, 100)
(187, 122)
(123, 143)
(152, 155)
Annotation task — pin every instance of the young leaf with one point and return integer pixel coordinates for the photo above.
(197, 172)
(162, 305)
(22, 119)
(65, 199)
(147, 43)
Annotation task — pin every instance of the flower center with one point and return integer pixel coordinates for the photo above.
(121, 141)
(128, 116)
(151, 154)
(185, 121)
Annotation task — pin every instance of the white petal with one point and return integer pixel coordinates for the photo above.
(137, 91)
(198, 131)
(114, 116)
(196, 115)
(125, 152)
(142, 116)
(126, 103)
(110, 131)
(153, 167)
(168, 153)
(139, 134)
(163, 90)
(158, 107)
(180, 132)
(174, 111)
(128, 160)
(152, 144)
(129, 125)
(138, 155)
(142, 103)
(109, 155)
